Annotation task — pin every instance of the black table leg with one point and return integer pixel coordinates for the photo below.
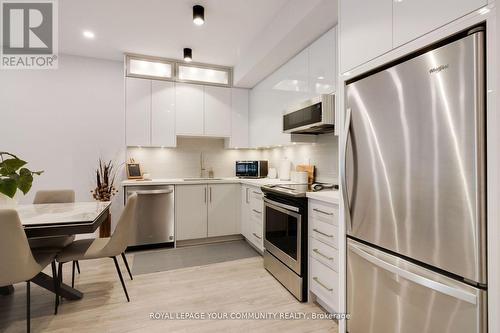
(7, 290)
(47, 282)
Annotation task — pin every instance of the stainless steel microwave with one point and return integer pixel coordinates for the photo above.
(251, 169)
(314, 116)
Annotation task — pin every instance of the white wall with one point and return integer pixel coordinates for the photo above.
(184, 161)
(61, 121)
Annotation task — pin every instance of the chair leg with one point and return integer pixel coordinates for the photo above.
(126, 265)
(121, 278)
(56, 285)
(73, 275)
(28, 306)
(60, 279)
(78, 266)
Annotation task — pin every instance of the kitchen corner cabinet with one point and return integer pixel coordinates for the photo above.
(239, 119)
(149, 113)
(203, 110)
(365, 31)
(206, 210)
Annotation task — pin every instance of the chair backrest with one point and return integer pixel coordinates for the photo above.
(54, 196)
(17, 263)
(121, 236)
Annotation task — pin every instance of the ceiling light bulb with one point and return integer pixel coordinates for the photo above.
(88, 34)
(198, 15)
(188, 55)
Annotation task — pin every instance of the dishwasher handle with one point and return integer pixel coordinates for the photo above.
(152, 191)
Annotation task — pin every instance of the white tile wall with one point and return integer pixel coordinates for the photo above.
(184, 161)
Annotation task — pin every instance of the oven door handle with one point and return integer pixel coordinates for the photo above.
(284, 206)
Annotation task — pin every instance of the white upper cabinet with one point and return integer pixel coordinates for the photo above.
(163, 114)
(365, 31)
(414, 18)
(322, 73)
(138, 112)
(189, 109)
(370, 28)
(217, 111)
(239, 119)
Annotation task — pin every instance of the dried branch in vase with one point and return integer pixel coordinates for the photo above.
(105, 180)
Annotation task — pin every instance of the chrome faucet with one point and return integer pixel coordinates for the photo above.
(202, 167)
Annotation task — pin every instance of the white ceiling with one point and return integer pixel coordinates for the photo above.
(232, 29)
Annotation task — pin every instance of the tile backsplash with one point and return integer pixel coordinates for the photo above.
(184, 160)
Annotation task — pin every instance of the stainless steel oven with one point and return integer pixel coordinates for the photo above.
(285, 241)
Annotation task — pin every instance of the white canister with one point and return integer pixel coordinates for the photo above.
(285, 168)
(301, 177)
(272, 173)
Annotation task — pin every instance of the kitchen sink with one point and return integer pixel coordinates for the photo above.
(199, 179)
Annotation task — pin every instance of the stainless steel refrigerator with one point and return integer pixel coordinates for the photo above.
(414, 183)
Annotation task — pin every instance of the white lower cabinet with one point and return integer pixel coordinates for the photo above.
(191, 211)
(324, 253)
(223, 210)
(252, 206)
(206, 210)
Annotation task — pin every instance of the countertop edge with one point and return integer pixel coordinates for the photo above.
(331, 197)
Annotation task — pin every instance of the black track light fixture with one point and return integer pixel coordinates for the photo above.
(188, 54)
(198, 15)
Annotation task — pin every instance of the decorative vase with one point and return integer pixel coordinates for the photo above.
(105, 228)
(7, 202)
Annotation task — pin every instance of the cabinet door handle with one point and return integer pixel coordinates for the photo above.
(322, 233)
(205, 194)
(210, 189)
(322, 212)
(255, 210)
(247, 196)
(323, 255)
(253, 233)
(322, 284)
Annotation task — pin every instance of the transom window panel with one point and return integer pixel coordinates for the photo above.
(202, 74)
(149, 68)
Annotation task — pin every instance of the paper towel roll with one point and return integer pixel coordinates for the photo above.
(285, 168)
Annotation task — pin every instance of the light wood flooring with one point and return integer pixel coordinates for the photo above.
(235, 286)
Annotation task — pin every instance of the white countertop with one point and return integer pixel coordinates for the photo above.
(325, 196)
(180, 181)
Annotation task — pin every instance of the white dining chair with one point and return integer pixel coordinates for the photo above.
(86, 249)
(54, 242)
(17, 262)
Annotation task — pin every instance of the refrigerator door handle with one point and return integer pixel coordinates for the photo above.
(415, 278)
(343, 169)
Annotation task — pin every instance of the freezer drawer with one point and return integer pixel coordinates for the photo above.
(386, 294)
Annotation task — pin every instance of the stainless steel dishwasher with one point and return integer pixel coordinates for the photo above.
(154, 220)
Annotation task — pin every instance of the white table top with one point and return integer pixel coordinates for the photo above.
(60, 213)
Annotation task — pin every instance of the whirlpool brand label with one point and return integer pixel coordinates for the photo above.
(438, 69)
(29, 34)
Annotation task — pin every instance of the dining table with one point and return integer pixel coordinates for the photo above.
(59, 219)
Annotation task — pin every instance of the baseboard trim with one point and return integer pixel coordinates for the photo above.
(208, 240)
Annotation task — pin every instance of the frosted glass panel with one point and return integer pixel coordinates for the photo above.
(150, 68)
(191, 73)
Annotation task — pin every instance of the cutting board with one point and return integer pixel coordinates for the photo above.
(307, 168)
